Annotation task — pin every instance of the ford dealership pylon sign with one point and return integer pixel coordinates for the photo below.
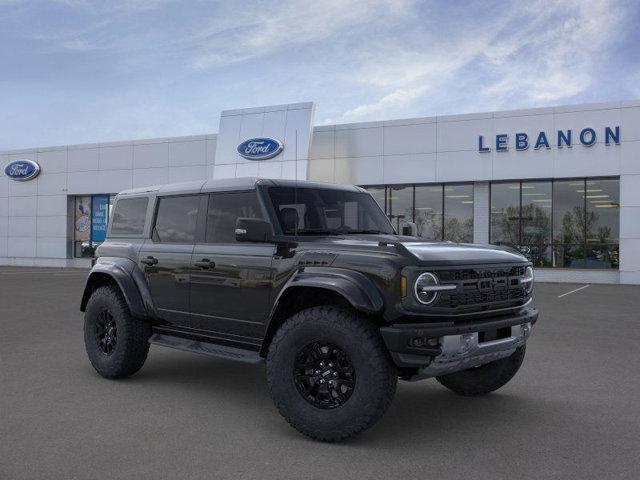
(22, 170)
(260, 148)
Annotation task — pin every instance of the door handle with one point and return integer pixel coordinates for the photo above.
(205, 264)
(149, 260)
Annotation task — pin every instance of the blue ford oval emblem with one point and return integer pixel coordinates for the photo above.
(22, 170)
(260, 148)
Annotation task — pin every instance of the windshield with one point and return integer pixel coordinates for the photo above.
(316, 211)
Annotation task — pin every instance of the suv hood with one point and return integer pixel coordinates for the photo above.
(428, 252)
(445, 253)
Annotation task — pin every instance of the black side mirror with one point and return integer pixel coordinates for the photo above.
(253, 230)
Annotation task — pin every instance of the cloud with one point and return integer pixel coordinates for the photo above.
(120, 69)
(287, 25)
(407, 76)
(552, 61)
(398, 98)
(541, 53)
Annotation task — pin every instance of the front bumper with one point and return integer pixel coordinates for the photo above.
(440, 348)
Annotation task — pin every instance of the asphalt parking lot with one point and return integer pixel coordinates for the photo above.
(571, 412)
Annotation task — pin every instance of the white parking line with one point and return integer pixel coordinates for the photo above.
(573, 291)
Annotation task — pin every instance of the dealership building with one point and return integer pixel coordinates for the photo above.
(562, 184)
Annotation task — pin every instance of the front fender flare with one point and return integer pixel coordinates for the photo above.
(129, 278)
(355, 287)
(359, 290)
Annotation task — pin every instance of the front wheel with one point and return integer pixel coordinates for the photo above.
(329, 373)
(485, 378)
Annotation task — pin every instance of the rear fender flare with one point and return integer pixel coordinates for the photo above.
(129, 278)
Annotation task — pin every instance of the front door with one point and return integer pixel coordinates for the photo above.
(231, 281)
(166, 258)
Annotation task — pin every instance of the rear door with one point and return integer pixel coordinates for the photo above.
(231, 281)
(166, 257)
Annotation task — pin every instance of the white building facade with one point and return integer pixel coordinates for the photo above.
(561, 184)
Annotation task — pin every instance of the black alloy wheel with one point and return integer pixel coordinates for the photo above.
(329, 372)
(117, 344)
(106, 332)
(324, 375)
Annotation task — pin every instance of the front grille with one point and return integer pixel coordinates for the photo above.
(478, 273)
(482, 287)
(455, 300)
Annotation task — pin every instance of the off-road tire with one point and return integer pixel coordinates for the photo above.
(486, 378)
(375, 374)
(132, 345)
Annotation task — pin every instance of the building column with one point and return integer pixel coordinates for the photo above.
(629, 229)
(481, 208)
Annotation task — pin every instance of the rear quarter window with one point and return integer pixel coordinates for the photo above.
(128, 216)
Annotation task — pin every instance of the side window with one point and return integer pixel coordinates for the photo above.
(176, 219)
(224, 210)
(128, 216)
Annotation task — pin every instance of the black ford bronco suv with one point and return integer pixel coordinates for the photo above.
(312, 279)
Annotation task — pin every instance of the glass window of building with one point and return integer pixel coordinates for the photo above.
(440, 212)
(458, 213)
(91, 218)
(428, 211)
(400, 201)
(603, 223)
(564, 223)
(536, 200)
(505, 214)
(569, 223)
(176, 219)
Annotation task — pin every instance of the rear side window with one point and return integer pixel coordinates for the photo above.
(176, 220)
(129, 215)
(224, 209)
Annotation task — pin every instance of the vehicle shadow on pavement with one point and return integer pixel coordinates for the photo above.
(418, 408)
(204, 375)
(427, 413)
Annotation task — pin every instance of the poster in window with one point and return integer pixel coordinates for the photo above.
(82, 229)
(99, 217)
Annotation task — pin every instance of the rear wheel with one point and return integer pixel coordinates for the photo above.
(485, 378)
(329, 373)
(116, 343)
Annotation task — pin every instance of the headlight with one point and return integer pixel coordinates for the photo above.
(427, 287)
(527, 280)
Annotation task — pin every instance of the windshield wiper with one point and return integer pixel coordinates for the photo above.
(350, 232)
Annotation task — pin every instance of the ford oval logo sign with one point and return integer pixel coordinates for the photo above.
(22, 170)
(260, 148)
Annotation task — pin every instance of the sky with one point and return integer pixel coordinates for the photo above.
(80, 71)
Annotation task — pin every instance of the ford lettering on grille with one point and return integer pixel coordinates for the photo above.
(482, 287)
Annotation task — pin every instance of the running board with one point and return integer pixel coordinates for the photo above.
(205, 348)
